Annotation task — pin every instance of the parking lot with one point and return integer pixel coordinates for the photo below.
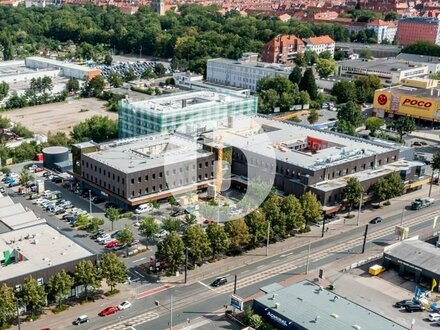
(380, 293)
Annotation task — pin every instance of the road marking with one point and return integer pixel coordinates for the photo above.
(261, 266)
(285, 255)
(207, 286)
(134, 261)
(152, 291)
(137, 273)
(132, 322)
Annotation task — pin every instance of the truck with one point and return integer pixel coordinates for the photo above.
(420, 203)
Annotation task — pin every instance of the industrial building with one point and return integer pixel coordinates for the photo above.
(134, 171)
(417, 98)
(188, 112)
(432, 62)
(414, 258)
(307, 306)
(57, 158)
(243, 73)
(389, 70)
(296, 157)
(67, 69)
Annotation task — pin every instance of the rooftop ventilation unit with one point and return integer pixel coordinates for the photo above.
(277, 305)
(357, 327)
(335, 316)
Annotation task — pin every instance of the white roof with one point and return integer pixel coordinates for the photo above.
(22, 220)
(11, 210)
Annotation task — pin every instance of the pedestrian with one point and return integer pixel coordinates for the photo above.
(326, 230)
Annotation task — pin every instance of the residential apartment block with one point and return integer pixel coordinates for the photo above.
(282, 49)
(412, 29)
(243, 73)
(187, 111)
(320, 44)
(385, 31)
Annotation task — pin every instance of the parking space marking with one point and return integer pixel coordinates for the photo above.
(138, 260)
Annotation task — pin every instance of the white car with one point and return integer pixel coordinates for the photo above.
(47, 193)
(161, 234)
(106, 241)
(434, 317)
(38, 201)
(103, 238)
(124, 305)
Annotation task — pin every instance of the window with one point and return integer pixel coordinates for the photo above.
(160, 187)
(123, 181)
(140, 192)
(146, 178)
(132, 180)
(200, 165)
(160, 174)
(118, 178)
(153, 176)
(113, 176)
(154, 188)
(118, 191)
(139, 179)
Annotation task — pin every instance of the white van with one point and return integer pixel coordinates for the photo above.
(143, 208)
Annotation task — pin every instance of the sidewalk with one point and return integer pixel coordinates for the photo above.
(91, 309)
(250, 257)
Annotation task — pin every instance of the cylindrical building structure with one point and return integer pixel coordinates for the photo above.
(54, 155)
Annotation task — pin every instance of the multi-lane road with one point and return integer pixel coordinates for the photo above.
(191, 301)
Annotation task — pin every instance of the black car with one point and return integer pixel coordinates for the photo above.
(403, 303)
(57, 179)
(414, 308)
(99, 233)
(376, 220)
(179, 212)
(98, 199)
(219, 282)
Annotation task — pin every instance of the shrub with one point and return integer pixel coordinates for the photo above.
(60, 309)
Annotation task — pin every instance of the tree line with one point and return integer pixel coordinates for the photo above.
(33, 295)
(277, 216)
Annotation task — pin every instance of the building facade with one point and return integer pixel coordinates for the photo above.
(385, 31)
(282, 49)
(188, 111)
(320, 44)
(432, 62)
(412, 29)
(242, 73)
(390, 71)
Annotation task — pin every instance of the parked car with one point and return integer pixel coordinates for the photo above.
(179, 213)
(434, 317)
(414, 308)
(109, 311)
(219, 282)
(13, 184)
(81, 319)
(103, 237)
(38, 170)
(59, 210)
(98, 199)
(376, 220)
(2, 190)
(115, 234)
(105, 241)
(403, 303)
(119, 247)
(112, 244)
(97, 234)
(57, 179)
(124, 305)
(162, 233)
(143, 208)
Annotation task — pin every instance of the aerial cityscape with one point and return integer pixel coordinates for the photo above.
(219, 165)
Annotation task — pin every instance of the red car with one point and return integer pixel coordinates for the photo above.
(38, 169)
(112, 244)
(109, 311)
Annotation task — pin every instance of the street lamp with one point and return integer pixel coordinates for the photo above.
(18, 314)
(90, 203)
(157, 303)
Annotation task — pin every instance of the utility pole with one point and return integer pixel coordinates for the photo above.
(365, 238)
(401, 217)
(323, 226)
(359, 210)
(186, 265)
(308, 257)
(430, 186)
(171, 312)
(18, 315)
(90, 203)
(268, 237)
(235, 283)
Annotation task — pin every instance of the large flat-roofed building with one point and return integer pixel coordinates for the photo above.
(417, 98)
(412, 29)
(307, 306)
(138, 170)
(432, 62)
(243, 73)
(38, 251)
(390, 71)
(70, 70)
(308, 158)
(188, 112)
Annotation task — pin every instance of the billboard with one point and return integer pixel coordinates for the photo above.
(417, 106)
(382, 100)
(237, 302)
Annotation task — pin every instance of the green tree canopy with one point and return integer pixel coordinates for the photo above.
(325, 67)
(60, 286)
(308, 84)
(257, 225)
(311, 207)
(345, 127)
(218, 239)
(7, 307)
(238, 233)
(115, 80)
(25, 176)
(4, 90)
(403, 125)
(196, 240)
(148, 227)
(373, 124)
(88, 275)
(33, 295)
(171, 225)
(293, 212)
(351, 113)
(113, 270)
(170, 252)
(96, 128)
(296, 75)
(352, 192)
(313, 116)
(112, 214)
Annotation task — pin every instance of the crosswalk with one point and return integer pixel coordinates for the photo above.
(132, 322)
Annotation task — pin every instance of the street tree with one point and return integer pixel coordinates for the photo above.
(96, 128)
(268, 100)
(325, 67)
(148, 227)
(296, 75)
(60, 286)
(218, 239)
(171, 225)
(88, 275)
(7, 307)
(33, 296)
(313, 116)
(352, 192)
(311, 207)
(4, 90)
(351, 113)
(172, 201)
(310, 57)
(159, 69)
(390, 186)
(25, 177)
(126, 237)
(308, 84)
(257, 225)
(46, 84)
(113, 270)
(373, 124)
(403, 125)
(238, 233)
(82, 221)
(196, 240)
(171, 252)
(293, 212)
(271, 208)
(72, 85)
(94, 86)
(345, 127)
(189, 220)
(108, 59)
(344, 90)
(115, 80)
(113, 215)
